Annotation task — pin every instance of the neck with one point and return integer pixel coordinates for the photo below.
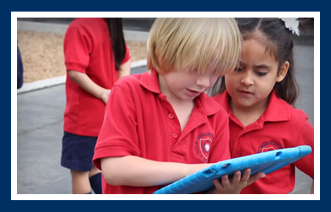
(248, 115)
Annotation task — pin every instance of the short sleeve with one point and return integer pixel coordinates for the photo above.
(118, 134)
(127, 55)
(77, 48)
(306, 137)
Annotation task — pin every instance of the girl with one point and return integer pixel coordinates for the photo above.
(259, 98)
(95, 57)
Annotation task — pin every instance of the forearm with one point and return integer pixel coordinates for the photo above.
(125, 69)
(136, 171)
(312, 188)
(83, 81)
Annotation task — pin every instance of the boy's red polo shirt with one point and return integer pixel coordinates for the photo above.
(280, 126)
(140, 121)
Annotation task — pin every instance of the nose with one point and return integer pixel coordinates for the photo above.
(246, 78)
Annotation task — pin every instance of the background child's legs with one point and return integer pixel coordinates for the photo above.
(84, 182)
(80, 182)
(95, 180)
(77, 154)
(94, 171)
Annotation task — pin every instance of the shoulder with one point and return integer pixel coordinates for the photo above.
(86, 24)
(298, 115)
(297, 118)
(129, 83)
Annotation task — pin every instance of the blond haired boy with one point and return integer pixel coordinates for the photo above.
(160, 126)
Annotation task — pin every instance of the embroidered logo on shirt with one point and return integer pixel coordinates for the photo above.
(269, 146)
(202, 145)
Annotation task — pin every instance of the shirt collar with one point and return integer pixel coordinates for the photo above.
(150, 81)
(277, 110)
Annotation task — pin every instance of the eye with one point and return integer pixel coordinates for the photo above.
(238, 68)
(261, 74)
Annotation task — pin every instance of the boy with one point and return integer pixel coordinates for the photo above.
(160, 126)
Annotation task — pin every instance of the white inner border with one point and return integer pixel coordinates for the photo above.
(15, 196)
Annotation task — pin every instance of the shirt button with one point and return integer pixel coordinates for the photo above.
(174, 135)
(171, 116)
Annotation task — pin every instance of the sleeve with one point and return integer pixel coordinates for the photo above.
(118, 134)
(221, 151)
(77, 48)
(127, 55)
(19, 69)
(306, 137)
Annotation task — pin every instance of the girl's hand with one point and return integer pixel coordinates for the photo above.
(105, 95)
(236, 183)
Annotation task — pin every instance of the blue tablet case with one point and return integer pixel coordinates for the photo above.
(261, 162)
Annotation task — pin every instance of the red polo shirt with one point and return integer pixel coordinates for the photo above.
(87, 49)
(140, 121)
(280, 126)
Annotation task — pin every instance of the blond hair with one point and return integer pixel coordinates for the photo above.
(205, 44)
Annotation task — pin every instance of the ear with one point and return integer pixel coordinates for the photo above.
(283, 71)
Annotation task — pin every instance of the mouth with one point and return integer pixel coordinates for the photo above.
(193, 93)
(245, 93)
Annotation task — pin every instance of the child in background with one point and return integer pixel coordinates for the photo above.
(259, 98)
(160, 126)
(20, 69)
(96, 56)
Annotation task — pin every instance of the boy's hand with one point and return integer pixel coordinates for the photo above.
(236, 183)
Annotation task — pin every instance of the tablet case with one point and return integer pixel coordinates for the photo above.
(260, 162)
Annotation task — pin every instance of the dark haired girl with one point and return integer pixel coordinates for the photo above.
(259, 97)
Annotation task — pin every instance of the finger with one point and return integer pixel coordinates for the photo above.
(255, 177)
(217, 184)
(246, 175)
(225, 180)
(236, 177)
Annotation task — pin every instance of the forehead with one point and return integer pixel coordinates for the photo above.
(254, 51)
(270, 47)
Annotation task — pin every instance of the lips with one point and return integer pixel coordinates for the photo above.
(193, 93)
(245, 93)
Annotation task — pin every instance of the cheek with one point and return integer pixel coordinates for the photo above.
(229, 82)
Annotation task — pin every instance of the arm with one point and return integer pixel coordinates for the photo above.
(125, 69)
(19, 69)
(306, 164)
(136, 171)
(83, 81)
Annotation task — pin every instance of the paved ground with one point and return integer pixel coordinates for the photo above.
(39, 139)
(40, 120)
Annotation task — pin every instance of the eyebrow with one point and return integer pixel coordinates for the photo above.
(263, 66)
(257, 66)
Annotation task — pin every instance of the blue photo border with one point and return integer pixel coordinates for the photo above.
(159, 205)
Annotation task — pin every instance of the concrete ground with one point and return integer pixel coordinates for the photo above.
(40, 121)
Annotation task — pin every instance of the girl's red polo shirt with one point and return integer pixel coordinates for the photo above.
(280, 126)
(87, 49)
(140, 121)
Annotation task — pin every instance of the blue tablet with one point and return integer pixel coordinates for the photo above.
(261, 162)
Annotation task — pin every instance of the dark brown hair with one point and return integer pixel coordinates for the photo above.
(115, 26)
(279, 43)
